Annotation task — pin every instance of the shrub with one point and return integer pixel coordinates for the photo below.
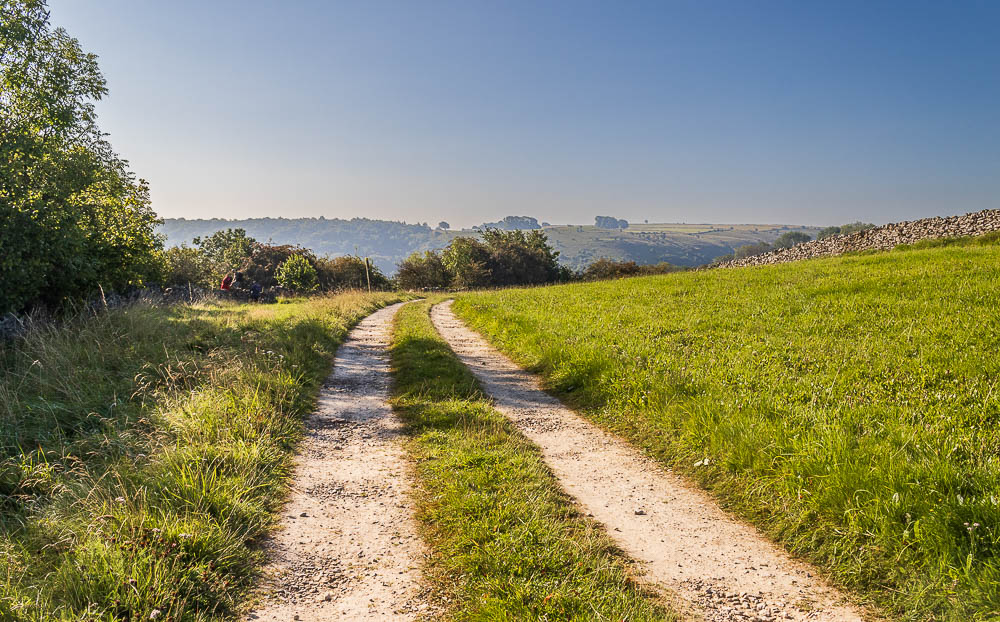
(182, 265)
(297, 274)
(423, 271)
(348, 272)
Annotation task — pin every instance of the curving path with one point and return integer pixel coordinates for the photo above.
(723, 568)
(348, 547)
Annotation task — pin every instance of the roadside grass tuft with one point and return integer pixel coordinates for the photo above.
(849, 406)
(506, 543)
(142, 450)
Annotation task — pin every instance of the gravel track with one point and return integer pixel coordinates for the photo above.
(722, 568)
(348, 547)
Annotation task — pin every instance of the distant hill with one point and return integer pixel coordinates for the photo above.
(388, 242)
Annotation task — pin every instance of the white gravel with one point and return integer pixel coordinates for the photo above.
(348, 547)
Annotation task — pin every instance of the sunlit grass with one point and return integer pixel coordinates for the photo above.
(507, 543)
(848, 406)
(143, 449)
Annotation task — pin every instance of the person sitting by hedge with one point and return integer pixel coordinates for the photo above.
(227, 282)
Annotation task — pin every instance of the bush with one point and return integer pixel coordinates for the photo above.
(423, 271)
(182, 265)
(297, 274)
(264, 260)
(467, 260)
(348, 272)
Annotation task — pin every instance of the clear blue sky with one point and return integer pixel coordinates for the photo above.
(704, 111)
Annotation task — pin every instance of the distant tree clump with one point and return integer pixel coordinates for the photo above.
(297, 274)
(609, 222)
(790, 239)
(499, 258)
(512, 223)
(72, 215)
(444, 225)
(852, 227)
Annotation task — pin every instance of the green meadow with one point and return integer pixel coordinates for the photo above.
(849, 407)
(142, 449)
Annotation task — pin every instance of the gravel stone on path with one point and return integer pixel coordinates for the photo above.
(348, 547)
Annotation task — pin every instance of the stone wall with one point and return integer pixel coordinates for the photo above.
(885, 237)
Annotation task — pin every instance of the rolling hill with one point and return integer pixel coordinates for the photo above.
(388, 242)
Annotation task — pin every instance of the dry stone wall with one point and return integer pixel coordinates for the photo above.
(885, 237)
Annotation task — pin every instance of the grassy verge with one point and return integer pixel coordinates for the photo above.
(142, 450)
(507, 544)
(849, 406)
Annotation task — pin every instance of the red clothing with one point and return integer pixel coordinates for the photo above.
(226, 282)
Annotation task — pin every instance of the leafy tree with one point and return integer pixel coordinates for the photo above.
(227, 250)
(297, 274)
(468, 261)
(520, 258)
(183, 265)
(423, 271)
(444, 225)
(790, 239)
(74, 216)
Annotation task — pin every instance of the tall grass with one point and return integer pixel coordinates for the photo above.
(849, 406)
(143, 449)
(507, 543)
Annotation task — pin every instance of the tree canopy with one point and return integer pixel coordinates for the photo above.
(75, 217)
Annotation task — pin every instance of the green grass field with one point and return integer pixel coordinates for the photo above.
(142, 450)
(507, 543)
(849, 406)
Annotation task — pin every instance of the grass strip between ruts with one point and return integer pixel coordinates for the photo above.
(506, 543)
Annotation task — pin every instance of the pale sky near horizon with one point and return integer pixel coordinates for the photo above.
(467, 111)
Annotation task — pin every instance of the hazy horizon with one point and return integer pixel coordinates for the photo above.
(723, 113)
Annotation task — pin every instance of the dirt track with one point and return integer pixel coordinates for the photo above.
(348, 548)
(724, 569)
